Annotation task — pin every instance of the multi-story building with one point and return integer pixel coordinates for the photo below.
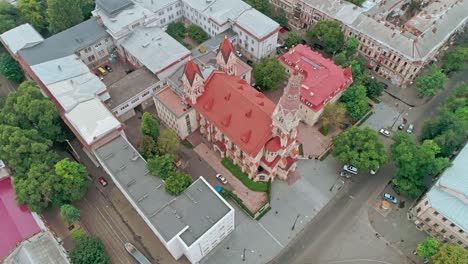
(443, 211)
(323, 82)
(396, 50)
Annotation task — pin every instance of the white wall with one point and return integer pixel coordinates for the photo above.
(137, 99)
(96, 51)
(258, 48)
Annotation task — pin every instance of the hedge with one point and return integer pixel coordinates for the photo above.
(237, 172)
(227, 193)
(263, 213)
(301, 150)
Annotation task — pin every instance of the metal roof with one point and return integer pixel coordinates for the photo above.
(21, 37)
(256, 23)
(65, 43)
(449, 196)
(113, 6)
(192, 212)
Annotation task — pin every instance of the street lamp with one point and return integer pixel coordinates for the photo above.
(294, 225)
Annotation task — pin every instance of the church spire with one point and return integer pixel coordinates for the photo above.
(226, 59)
(193, 81)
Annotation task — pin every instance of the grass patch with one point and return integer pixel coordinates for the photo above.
(237, 172)
(301, 150)
(186, 144)
(324, 130)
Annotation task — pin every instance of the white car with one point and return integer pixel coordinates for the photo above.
(345, 174)
(390, 198)
(238, 53)
(350, 169)
(410, 128)
(384, 132)
(373, 172)
(221, 178)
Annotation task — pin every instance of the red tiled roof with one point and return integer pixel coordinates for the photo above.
(273, 144)
(273, 163)
(322, 76)
(226, 48)
(191, 68)
(288, 161)
(238, 110)
(17, 222)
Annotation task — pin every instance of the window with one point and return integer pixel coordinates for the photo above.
(427, 219)
(461, 231)
(426, 202)
(91, 58)
(135, 25)
(443, 231)
(452, 225)
(418, 210)
(436, 213)
(436, 225)
(459, 242)
(451, 236)
(444, 219)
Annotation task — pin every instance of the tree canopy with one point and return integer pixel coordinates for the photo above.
(168, 142)
(351, 46)
(428, 248)
(69, 213)
(261, 5)
(149, 126)
(450, 254)
(414, 163)
(269, 74)
(34, 12)
(148, 147)
(355, 100)
(280, 16)
(88, 250)
(64, 14)
(455, 59)
(360, 147)
(292, 39)
(327, 32)
(176, 30)
(333, 115)
(429, 83)
(10, 17)
(196, 33)
(161, 166)
(10, 68)
(177, 182)
(73, 179)
(373, 88)
(357, 2)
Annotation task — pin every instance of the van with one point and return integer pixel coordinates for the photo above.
(102, 71)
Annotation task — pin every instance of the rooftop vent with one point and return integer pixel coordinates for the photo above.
(59, 67)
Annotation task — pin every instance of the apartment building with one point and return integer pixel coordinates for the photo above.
(396, 49)
(443, 211)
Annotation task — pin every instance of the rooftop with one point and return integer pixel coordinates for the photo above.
(193, 212)
(120, 21)
(40, 249)
(256, 23)
(18, 223)
(113, 6)
(21, 37)
(130, 85)
(92, 120)
(213, 43)
(172, 101)
(322, 80)
(242, 113)
(449, 196)
(154, 6)
(154, 48)
(65, 43)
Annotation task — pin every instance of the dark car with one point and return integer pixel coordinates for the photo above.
(249, 62)
(395, 189)
(108, 68)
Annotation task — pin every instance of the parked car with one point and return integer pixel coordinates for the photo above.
(410, 128)
(350, 169)
(345, 174)
(102, 181)
(108, 68)
(396, 189)
(401, 126)
(238, 53)
(249, 62)
(384, 132)
(221, 178)
(390, 198)
(373, 172)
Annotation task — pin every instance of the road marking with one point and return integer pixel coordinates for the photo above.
(268, 232)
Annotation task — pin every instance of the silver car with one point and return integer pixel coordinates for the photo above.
(410, 128)
(221, 178)
(384, 132)
(350, 169)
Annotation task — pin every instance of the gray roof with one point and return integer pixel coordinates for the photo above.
(155, 6)
(196, 210)
(256, 23)
(21, 37)
(449, 196)
(113, 6)
(154, 48)
(39, 249)
(65, 43)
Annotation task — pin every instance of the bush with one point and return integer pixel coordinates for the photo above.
(301, 150)
(88, 250)
(176, 30)
(177, 182)
(78, 234)
(186, 144)
(324, 131)
(10, 68)
(196, 33)
(237, 172)
(227, 193)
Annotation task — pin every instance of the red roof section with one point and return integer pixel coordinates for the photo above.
(226, 48)
(273, 144)
(191, 68)
(242, 113)
(17, 222)
(322, 80)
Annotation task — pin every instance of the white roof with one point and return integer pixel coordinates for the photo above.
(21, 37)
(154, 48)
(256, 23)
(155, 6)
(92, 120)
(123, 19)
(69, 81)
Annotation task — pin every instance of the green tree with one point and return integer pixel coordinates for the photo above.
(280, 17)
(176, 30)
(428, 248)
(88, 250)
(292, 39)
(414, 163)
(196, 33)
(374, 88)
(351, 46)
(361, 147)
(355, 100)
(455, 59)
(161, 166)
(10, 17)
(340, 58)
(177, 182)
(327, 32)
(168, 142)
(429, 83)
(34, 12)
(357, 2)
(78, 234)
(451, 254)
(269, 74)
(148, 147)
(10, 68)
(69, 213)
(27, 108)
(86, 7)
(63, 14)
(261, 5)
(332, 116)
(72, 178)
(149, 126)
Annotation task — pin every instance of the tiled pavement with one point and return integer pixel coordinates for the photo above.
(313, 142)
(253, 200)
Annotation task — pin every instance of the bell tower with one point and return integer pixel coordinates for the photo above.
(193, 81)
(226, 58)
